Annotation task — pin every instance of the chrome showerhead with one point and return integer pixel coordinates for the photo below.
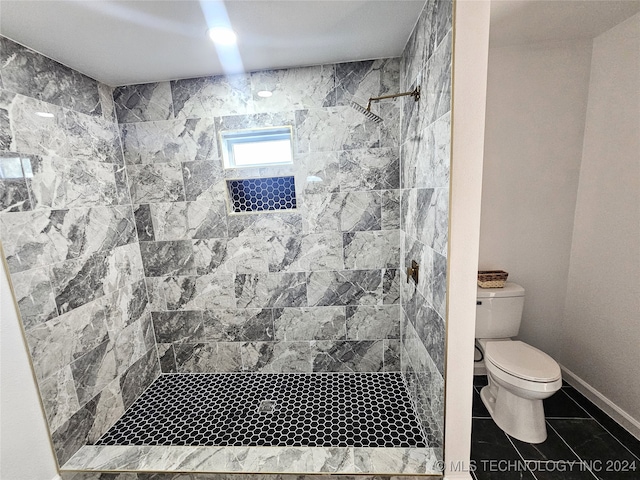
(366, 112)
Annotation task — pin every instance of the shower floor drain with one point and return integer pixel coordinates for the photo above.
(271, 409)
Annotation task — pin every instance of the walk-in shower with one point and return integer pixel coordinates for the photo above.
(169, 331)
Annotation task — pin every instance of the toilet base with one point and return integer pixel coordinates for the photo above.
(522, 418)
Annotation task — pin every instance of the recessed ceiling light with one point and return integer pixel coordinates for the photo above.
(45, 114)
(222, 35)
(265, 93)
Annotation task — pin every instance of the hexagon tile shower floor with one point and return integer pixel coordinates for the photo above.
(272, 409)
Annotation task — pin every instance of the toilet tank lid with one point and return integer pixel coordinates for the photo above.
(510, 289)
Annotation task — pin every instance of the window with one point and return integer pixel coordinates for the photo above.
(257, 147)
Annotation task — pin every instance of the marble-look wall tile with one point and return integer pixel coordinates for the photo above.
(202, 292)
(234, 325)
(353, 287)
(373, 322)
(390, 211)
(371, 250)
(58, 342)
(371, 169)
(438, 81)
(28, 133)
(144, 223)
(317, 323)
(79, 281)
(212, 96)
(271, 223)
(44, 237)
(271, 290)
(346, 212)
(74, 433)
(34, 295)
(276, 357)
(143, 103)
(109, 409)
(139, 376)
(47, 236)
(92, 138)
(348, 356)
(6, 135)
(430, 329)
(317, 172)
(183, 220)
(169, 141)
(154, 183)
(61, 183)
(351, 130)
(59, 397)
(168, 258)
(306, 252)
(202, 179)
(420, 46)
(439, 289)
(391, 280)
(167, 357)
(208, 357)
(105, 93)
(294, 88)
(176, 327)
(359, 81)
(29, 73)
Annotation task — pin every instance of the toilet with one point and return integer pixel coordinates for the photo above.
(520, 376)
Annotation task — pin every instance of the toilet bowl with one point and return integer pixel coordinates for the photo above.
(520, 377)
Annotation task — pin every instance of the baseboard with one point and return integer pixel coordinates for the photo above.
(602, 402)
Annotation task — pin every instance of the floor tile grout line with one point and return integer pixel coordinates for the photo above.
(521, 457)
(591, 417)
(580, 406)
(571, 448)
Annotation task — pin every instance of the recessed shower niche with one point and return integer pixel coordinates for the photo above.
(152, 312)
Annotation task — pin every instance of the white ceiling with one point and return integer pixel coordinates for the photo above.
(126, 42)
(121, 42)
(515, 22)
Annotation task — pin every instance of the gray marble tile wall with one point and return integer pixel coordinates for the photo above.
(230, 476)
(311, 289)
(425, 164)
(68, 233)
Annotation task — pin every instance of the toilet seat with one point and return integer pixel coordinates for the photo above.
(517, 359)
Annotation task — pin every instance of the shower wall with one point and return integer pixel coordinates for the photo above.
(310, 289)
(425, 160)
(68, 234)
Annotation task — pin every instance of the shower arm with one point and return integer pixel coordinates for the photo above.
(415, 93)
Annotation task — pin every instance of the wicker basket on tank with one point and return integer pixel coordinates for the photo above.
(492, 278)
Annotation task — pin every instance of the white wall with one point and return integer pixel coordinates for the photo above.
(471, 45)
(25, 451)
(536, 106)
(601, 333)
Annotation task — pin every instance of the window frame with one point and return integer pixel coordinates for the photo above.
(230, 138)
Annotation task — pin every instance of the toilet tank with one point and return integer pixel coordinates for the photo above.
(499, 311)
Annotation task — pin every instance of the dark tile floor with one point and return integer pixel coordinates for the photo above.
(272, 409)
(582, 443)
